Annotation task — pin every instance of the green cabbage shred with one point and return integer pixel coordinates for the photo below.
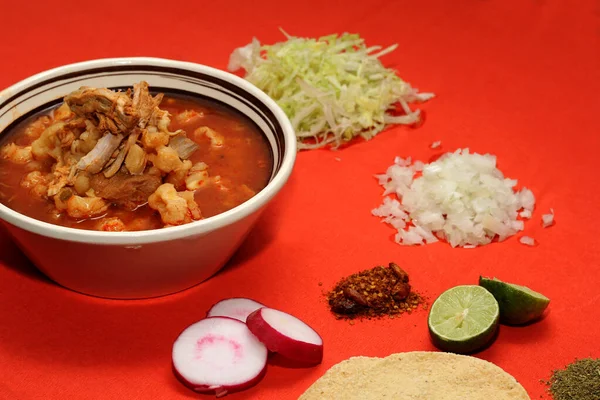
(333, 88)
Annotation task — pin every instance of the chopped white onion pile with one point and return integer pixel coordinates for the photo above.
(548, 219)
(525, 214)
(526, 240)
(462, 198)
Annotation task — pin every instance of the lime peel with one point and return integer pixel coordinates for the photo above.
(518, 304)
(333, 88)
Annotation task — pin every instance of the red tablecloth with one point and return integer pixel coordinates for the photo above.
(519, 79)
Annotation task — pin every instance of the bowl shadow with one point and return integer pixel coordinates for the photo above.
(261, 235)
(475, 351)
(265, 229)
(11, 257)
(537, 331)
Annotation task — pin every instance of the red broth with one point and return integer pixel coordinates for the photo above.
(244, 163)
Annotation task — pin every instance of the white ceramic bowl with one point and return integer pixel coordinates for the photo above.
(129, 265)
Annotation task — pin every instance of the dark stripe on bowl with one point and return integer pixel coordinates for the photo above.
(173, 73)
(46, 106)
(278, 139)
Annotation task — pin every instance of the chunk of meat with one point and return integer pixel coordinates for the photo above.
(16, 154)
(110, 110)
(130, 191)
(175, 208)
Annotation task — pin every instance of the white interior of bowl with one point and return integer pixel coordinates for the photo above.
(46, 87)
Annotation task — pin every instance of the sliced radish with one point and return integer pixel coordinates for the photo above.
(237, 307)
(219, 355)
(287, 335)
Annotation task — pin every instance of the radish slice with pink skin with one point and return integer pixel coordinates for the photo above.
(287, 335)
(219, 355)
(236, 307)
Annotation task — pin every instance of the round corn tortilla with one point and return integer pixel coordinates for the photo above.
(416, 375)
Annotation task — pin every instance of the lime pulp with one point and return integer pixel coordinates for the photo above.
(463, 319)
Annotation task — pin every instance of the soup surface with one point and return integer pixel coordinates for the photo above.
(130, 161)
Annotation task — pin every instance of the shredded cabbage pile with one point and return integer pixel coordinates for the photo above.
(333, 88)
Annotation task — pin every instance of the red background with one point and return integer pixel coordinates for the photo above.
(519, 79)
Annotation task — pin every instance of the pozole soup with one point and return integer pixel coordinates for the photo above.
(129, 161)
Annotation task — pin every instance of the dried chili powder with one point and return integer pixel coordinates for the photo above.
(579, 380)
(375, 292)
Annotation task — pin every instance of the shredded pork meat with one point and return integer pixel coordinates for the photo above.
(108, 110)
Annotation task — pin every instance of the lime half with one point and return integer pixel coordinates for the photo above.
(463, 319)
(518, 304)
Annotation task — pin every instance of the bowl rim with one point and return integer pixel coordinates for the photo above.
(251, 206)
